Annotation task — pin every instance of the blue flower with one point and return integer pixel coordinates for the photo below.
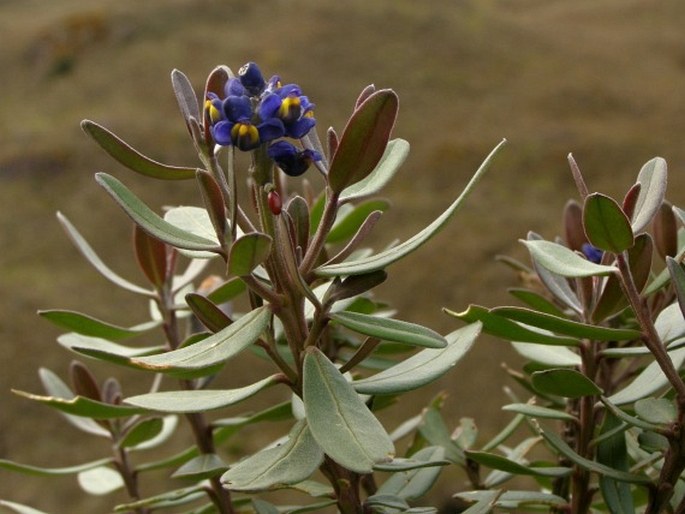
(293, 108)
(593, 254)
(254, 111)
(237, 126)
(292, 161)
(252, 79)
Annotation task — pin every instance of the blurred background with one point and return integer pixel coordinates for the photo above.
(603, 79)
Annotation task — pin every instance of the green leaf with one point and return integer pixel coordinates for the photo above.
(209, 314)
(399, 464)
(536, 301)
(197, 221)
(142, 432)
(206, 465)
(560, 260)
(535, 411)
(434, 430)
(54, 386)
(346, 225)
(566, 326)
(612, 452)
(612, 299)
(389, 329)
(80, 406)
(212, 351)
(185, 95)
(263, 507)
(149, 221)
(383, 259)
(199, 400)
(485, 501)
(557, 285)
(90, 255)
(133, 159)
(677, 272)
(564, 382)
(606, 225)
(364, 140)
(288, 463)
(652, 179)
(227, 291)
(394, 156)
(500, 463)
(557, 356)
(248, 252)
(510, 500)
(151, 255)
(104, 350)
(649, 381)
(19, 508)
(564, 449)
(339, 419)
(25, 469)
(422, 368)
(413, 484)
(166, 499)
(88, 326)
(660, 411)
(100, 481)
(500, 326)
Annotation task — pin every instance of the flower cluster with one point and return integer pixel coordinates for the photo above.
(256, 112)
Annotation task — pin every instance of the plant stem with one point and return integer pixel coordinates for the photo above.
(327, 218)
(674, 457)
(346, 486)
(651, 338)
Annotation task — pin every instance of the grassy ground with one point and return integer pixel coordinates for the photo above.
(600, 78)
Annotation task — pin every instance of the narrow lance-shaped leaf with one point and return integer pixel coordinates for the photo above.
(500, 326)
(665, 229)
(338, 418)
(677, 273)
(606, 225)
(185, 95)
(612, 452)
(346, 226)
(413, 484)
(131, 158)
(212, 351)
(383, 259)
(289, 463)
(248, 252)
(649, 381)
(566, 326)
(80, 406)
(19, 508)
(564, 382)
(394, 156)
(390, 329)
(562, 261)
(214, 203)
(613, 299)
(149, 221)
(422, 368)
(90, 255)
(207, 312)
(564, 449)
(25, 469)
(92, 327)
(652, 179)
(198, 400)
(203, 466)
(151, 254)
(364, 140)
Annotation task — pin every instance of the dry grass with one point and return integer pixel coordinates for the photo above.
(599, 78)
